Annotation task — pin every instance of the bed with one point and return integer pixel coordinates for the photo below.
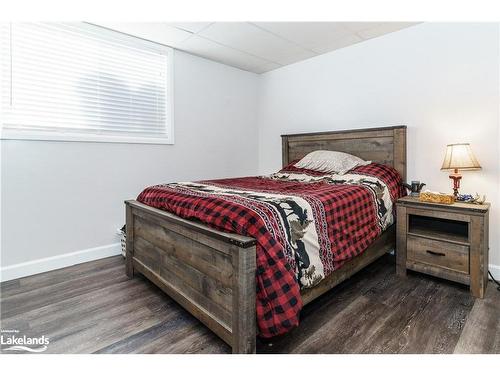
(212, 273)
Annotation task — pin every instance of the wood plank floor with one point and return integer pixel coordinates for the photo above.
(94, 308)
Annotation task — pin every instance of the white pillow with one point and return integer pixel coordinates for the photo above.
(330, 162)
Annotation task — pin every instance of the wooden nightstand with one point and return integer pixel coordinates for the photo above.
(448, 241)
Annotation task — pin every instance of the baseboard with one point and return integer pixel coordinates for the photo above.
(495, 271)
(59, 261)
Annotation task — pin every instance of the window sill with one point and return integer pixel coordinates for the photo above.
(25, 135)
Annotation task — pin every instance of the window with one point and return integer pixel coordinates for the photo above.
(77, 81)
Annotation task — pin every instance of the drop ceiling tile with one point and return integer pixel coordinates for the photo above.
(384, 28)
(253, 40)
(193, 27)
(266, 68)
(257, 47)
(307, 34)
(155, 31)
(214, 51)
(360, 26)
(333, 44)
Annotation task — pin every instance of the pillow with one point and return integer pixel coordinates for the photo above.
(330, 162)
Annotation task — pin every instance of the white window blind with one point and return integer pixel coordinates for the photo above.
(77, 79)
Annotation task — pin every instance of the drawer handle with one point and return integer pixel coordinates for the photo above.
(436, 253)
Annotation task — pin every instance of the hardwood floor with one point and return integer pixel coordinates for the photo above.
(95, 308)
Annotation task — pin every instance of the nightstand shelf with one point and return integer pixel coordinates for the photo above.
(448, 241)
(443, 230)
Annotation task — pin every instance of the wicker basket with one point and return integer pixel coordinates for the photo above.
(123, 241)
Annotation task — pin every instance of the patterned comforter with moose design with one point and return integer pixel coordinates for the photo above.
(306, 224)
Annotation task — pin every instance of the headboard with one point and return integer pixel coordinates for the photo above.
(382, 145)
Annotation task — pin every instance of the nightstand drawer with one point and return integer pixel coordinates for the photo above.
(438, 253)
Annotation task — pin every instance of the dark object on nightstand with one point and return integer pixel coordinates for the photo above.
(415, 188)
(447, 241)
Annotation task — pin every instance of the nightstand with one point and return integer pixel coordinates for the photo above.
(447, 241)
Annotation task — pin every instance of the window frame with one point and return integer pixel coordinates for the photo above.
(72, 136)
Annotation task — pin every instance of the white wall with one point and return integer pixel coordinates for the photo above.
(441, 80)
(64, 197)
(496, 261)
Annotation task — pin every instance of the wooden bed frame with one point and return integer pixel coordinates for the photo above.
(212, 273)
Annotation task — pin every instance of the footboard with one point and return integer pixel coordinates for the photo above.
(210, 273)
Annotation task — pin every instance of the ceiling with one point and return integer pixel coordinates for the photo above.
(258, 46)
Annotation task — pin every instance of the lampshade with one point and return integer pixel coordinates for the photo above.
(460, 156)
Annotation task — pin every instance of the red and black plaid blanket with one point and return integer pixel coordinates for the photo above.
(306, 224)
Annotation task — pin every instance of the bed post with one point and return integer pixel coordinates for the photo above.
(284, 151)
(244, 329)
(129, 220)
(400, 151)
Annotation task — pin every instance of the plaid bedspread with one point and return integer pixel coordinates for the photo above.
(306, 224)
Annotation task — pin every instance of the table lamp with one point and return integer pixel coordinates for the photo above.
(459, 157)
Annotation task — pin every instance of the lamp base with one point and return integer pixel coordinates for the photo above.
(456, 177)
